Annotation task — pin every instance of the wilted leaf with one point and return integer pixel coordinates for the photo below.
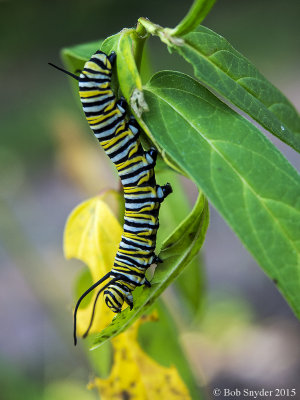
(135, 375)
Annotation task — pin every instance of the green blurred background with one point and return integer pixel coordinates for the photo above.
(247, 336)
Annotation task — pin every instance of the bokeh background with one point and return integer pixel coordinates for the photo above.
(248, 336)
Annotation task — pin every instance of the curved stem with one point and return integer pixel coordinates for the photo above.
(194, 17)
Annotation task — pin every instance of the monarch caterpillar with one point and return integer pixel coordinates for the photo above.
(120, 140)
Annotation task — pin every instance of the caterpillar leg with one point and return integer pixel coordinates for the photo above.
(147, 283)
(122, 105)
(151, 156)
(157, 260)
(129, 300)
(112, 58)
(163, 191)
(134, 126)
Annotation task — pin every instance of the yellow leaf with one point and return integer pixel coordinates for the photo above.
(136, 376)
(92, 234)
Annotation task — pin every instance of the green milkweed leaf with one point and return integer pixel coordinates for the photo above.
(244, 176)
(227, 72)
(76, 56)
(177, 252)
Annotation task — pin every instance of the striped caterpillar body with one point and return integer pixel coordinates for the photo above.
(120, 140)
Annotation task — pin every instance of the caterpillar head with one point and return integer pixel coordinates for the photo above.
(115, 295)
(113, 299)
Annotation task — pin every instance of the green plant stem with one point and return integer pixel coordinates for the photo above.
(194, 17)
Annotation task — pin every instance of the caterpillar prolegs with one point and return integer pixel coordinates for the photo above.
(120, 140)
